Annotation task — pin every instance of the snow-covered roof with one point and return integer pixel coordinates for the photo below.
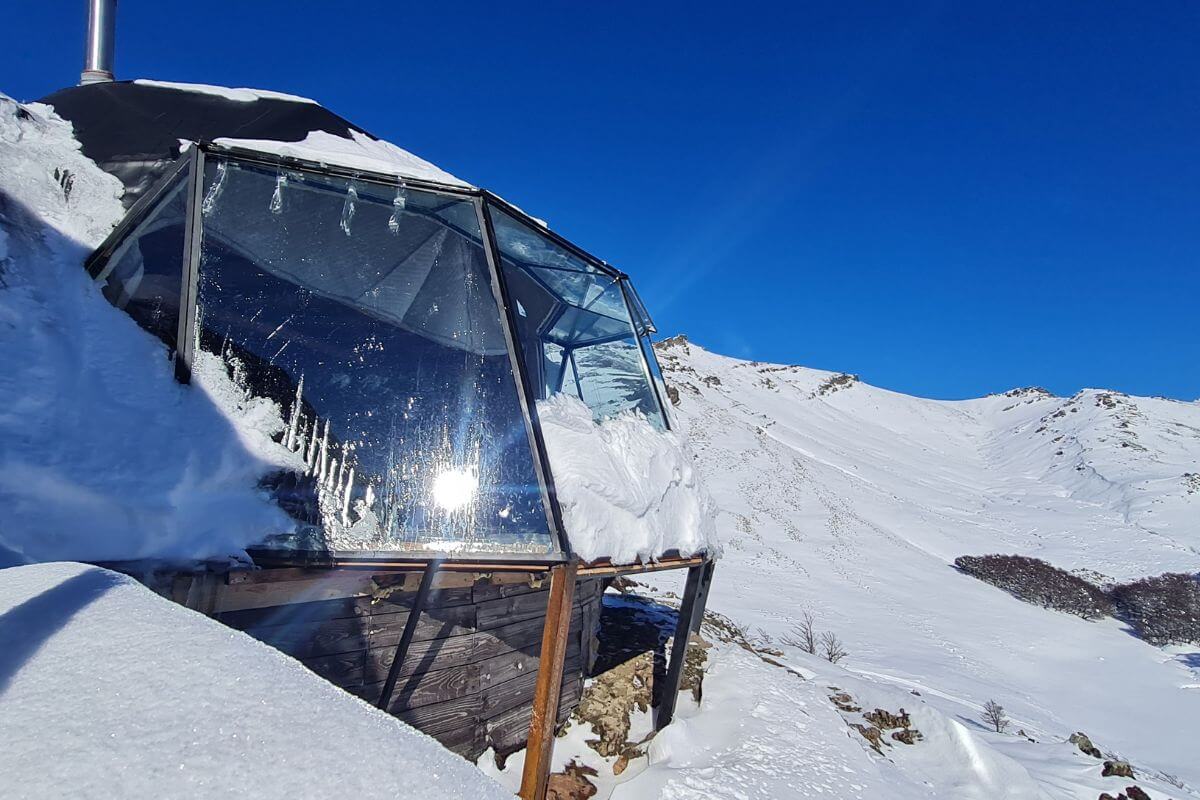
(112, 691)
(133, 129)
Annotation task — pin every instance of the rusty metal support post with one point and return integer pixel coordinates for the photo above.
(695, 592)
(540, 746)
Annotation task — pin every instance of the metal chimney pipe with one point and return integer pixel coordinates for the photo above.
(101, 35)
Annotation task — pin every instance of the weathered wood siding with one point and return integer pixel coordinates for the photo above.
(469, 675)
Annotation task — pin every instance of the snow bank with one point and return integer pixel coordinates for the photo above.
(102, 454)
(627, 491)
(107, 690)
(360, 151)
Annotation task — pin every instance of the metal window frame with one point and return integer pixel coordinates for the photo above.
(185, 337)
(516, 356)
(193, 161)
(646, 356)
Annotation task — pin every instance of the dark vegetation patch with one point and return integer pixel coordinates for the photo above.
(1161, 610)
(1038, 582)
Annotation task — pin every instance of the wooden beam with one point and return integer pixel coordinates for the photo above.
(608, 569)
(410, 628)
(540, 746)
(689, 610)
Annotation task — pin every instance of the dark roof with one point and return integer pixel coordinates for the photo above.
(132, 130)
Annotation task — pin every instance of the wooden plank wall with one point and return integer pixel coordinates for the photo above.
(469, 676)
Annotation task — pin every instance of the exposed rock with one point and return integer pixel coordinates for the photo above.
(836, 383)
(679, 341)
(633, 646)
(572, 783)
(1120, 769)
(845, 702)
(872, 735)
(612, 697)
(673, 394)
(1081, 740)
(885, 720)
(907, 736)
(1136, 793)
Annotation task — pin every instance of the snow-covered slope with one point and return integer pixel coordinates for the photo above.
(851, 502)
(109, 691)
(102, 454)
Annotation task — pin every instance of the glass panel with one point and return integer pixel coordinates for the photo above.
(574, 327)
(143, 274)
(656, 375)
(355, 326)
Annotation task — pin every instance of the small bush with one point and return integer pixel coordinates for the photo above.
(832, 649)
(1035, 581)
(994, 716)
(803, 635)
(1162, 610)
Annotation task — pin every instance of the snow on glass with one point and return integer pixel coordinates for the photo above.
(369, 361)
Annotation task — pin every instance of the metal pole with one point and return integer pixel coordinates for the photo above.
(186, 335)
(683, 631)
(540, 746)
(101, 40)
(702, 599)
(410, 629)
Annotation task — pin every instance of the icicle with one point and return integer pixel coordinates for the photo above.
(277, 197)
(294, 422)
(341, 472)
(331, 478)
(214, 191)
(310, 457)
(324, 453)
(348, 208)
(398, 204)
(346, 499)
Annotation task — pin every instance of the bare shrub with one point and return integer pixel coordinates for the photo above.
(803, 635)
(831, 648)
(1040, 583)
(994, 716)
(1162, 610)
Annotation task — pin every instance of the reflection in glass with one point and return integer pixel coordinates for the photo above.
(574, 326)
(142, 275)
(360, 334)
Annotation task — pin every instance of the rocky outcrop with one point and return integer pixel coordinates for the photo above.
(572, 783)
(1081, 740)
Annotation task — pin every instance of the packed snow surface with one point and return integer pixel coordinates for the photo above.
(237, 95)
(102, 454)
(359, 151)
(627, 491)
(110, 691)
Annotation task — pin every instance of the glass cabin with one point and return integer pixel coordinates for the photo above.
(388, 341)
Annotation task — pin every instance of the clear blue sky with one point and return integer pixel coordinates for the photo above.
(946, 198)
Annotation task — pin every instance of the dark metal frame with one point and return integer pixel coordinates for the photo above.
(193, 161)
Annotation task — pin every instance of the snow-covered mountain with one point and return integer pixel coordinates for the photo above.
(835, 498)
(851, 502)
